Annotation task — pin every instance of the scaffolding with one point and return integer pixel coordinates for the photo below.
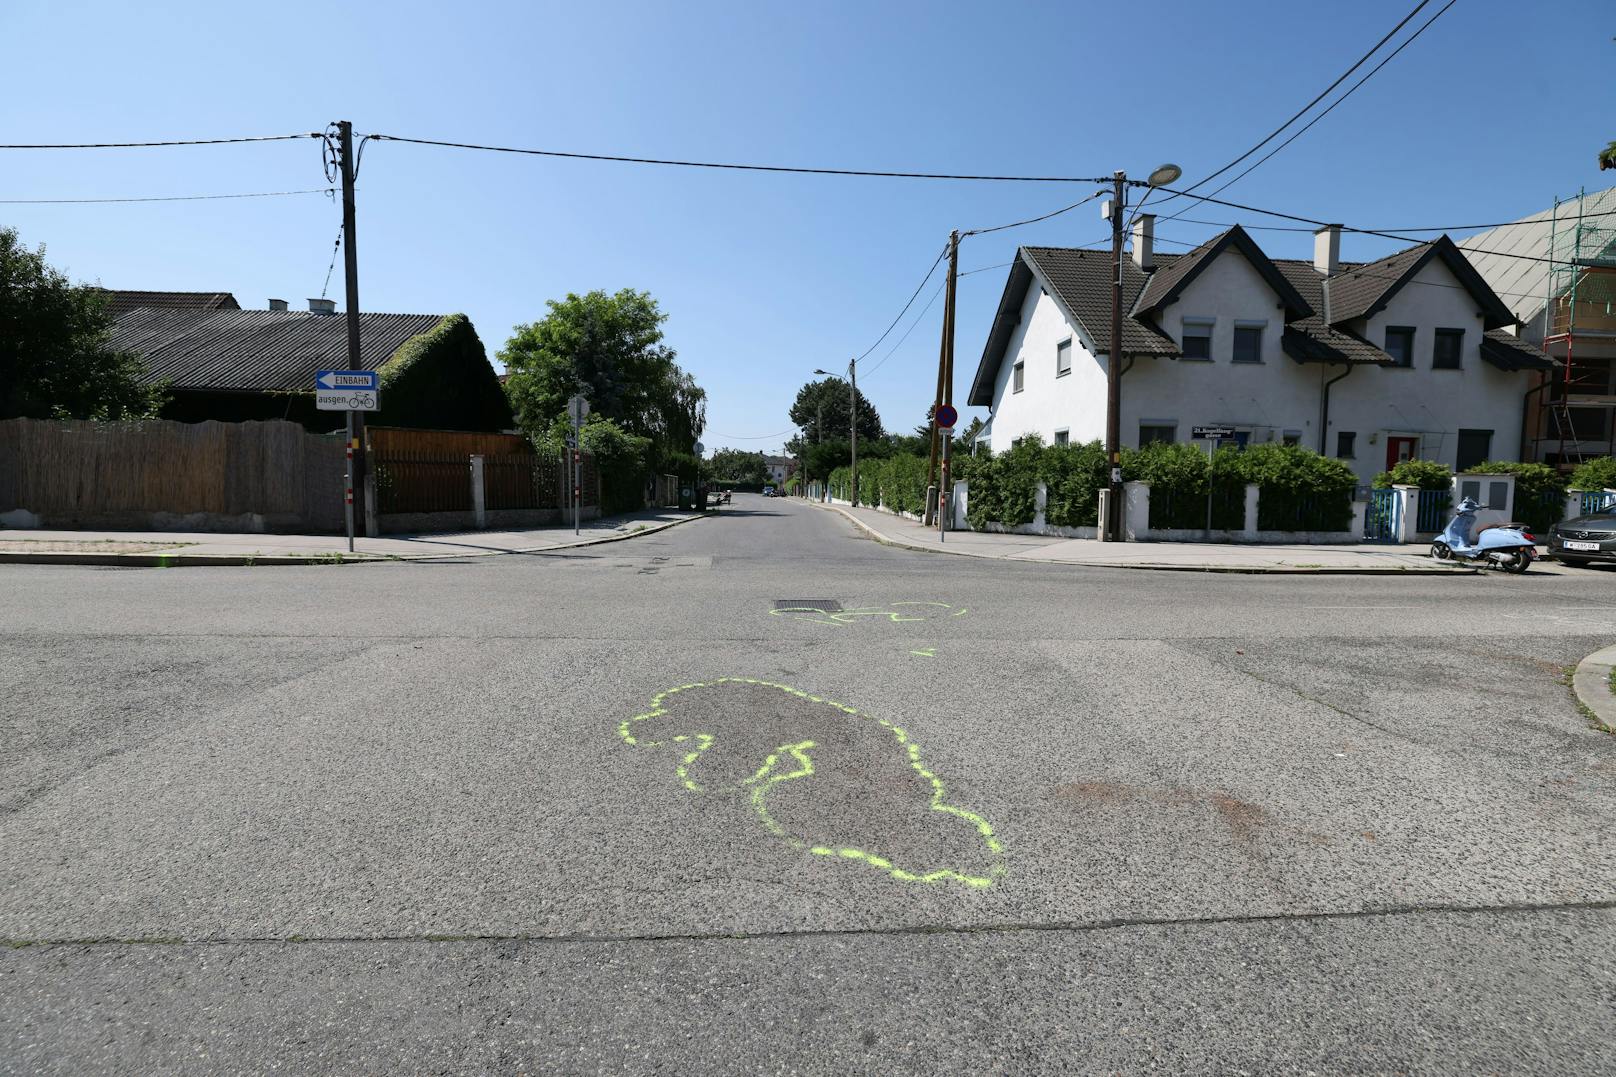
(1578, 303)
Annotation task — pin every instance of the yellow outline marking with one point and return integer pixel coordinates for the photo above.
(769, 775)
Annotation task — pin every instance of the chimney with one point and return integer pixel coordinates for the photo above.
(322, 306)
(1327, 250)
(1144, 241)
(277, 304)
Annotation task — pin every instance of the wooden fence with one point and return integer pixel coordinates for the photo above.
(429, 471)
(253, 476)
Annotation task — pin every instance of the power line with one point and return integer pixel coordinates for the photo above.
(1343, 227)
(906, 306)
(1431, 228)
(140, 145)
(1372, 71)
(1322, 95)
(1032, 220)
(734, 166)
(165, 198)
(937, 291)
(335, 248)
(750, 437)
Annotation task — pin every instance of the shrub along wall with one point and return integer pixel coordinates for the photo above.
(1596, 474)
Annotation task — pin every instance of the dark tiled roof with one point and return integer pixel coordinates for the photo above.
(1365, 289)
(1507, 352)
(1310, 340)
(1169, 280)
(1081, 281)
(120, 300)
(261, 350)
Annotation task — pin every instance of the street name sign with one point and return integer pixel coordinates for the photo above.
(1212, 433)
(347, 390)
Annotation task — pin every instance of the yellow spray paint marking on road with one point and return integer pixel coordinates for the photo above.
(892, 612)
(795, 762)
(927, 652)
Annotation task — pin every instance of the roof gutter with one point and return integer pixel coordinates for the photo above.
(1324, 409)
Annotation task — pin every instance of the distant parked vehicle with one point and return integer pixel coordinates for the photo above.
(1585, 539)
(768, 491)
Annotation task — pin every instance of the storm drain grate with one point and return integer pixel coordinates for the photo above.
(827, 605)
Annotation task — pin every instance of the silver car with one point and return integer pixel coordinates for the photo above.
(1585, 539)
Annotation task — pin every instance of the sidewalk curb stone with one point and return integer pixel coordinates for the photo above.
(228, 560)
(1255, 570)
(1591, 683)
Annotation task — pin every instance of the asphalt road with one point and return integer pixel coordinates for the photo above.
(612, 811)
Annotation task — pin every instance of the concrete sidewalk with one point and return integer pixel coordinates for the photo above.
(174, 548)
(1169, 556)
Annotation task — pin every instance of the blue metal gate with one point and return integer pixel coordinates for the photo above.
(1595, 501)
(1433, 509)
(1384, 516)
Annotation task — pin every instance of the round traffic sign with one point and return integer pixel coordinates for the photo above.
(947, 416)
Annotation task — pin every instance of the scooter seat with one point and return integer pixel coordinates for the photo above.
(1512, 525)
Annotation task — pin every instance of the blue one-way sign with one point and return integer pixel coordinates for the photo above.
(346, 379)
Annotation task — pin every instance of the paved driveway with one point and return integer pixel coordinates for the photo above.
(613, 810)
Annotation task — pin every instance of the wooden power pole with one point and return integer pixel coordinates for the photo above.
(945, 371)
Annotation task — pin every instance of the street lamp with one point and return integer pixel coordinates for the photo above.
(1163, 174)
(852, 426)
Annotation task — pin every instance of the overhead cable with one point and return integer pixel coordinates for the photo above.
(1299, 132)
(1322, 95)
(163, 198)
(142, 145)
(735, 166)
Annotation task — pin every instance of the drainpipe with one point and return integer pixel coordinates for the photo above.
(1324, 410)
(1526, 411)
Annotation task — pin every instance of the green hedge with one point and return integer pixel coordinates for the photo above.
(1597, 474)
(1426, 474)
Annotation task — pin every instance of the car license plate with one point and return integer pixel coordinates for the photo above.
(1568, 544)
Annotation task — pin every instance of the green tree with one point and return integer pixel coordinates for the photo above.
(55, 361)
(609, 348)
(827, 401)
(737, 465)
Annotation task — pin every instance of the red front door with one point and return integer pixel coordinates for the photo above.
(1400, 449)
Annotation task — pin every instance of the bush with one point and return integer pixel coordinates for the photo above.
(1300, 490)
(1426, 474)
(1598, 474)
(1004, 488)
(1178, 476)
(1539, 490)
(1073, 476)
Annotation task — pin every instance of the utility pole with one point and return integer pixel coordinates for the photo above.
(1112, 532)
(852, 396)
(945, 370)
(350, 269)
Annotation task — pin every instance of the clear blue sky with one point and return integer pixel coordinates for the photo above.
(1494, 110)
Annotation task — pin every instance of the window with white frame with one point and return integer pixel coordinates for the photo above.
(1063, 358)
(1018, 376)
(1197, 338)
(1063, 437)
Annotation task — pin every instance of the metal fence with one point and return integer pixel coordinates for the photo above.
(1596, 501)
(1383, 515)
(1431, 515)
(1186, 510)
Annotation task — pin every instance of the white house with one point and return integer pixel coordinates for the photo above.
(1372, 363)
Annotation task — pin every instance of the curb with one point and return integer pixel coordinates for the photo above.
(236, 560)
(1591, 683)
(1255, 570)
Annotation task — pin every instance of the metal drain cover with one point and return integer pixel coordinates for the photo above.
(827, 605)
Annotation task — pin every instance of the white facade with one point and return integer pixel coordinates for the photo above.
(1417, 410)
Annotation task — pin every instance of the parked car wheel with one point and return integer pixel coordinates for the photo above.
(1574, 562)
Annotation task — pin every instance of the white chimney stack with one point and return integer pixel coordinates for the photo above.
(1144, 241)
(277, 304)
(1327, 250)
(322, 306)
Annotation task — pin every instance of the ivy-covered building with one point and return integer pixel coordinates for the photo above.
(221, 362)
